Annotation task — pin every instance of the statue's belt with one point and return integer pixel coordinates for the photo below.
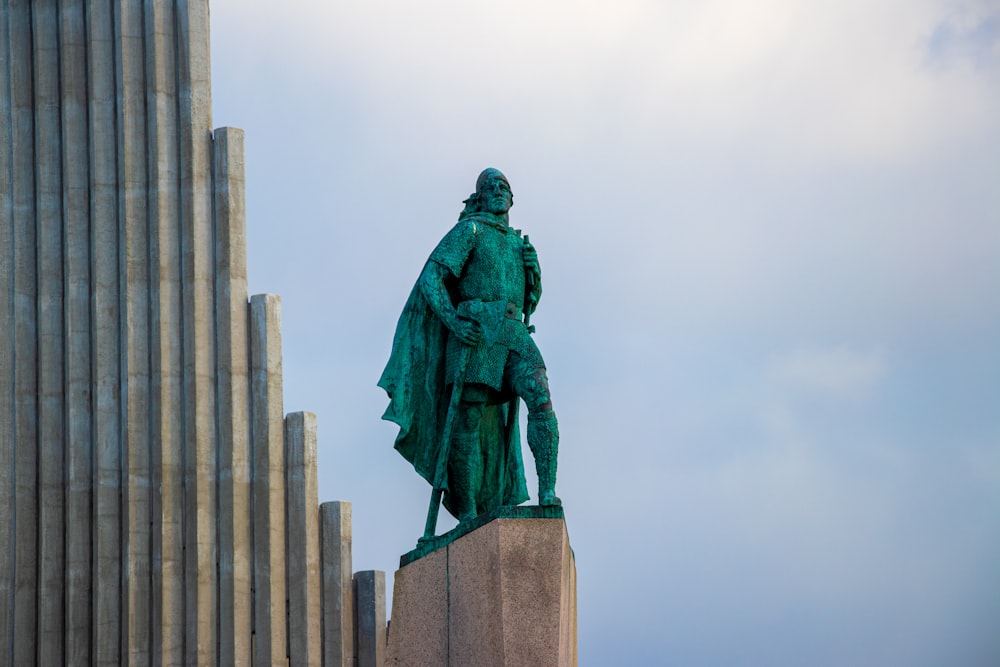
(482, 311)
(512, 312)
(503, 330)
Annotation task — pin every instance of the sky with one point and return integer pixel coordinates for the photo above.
(770, 244)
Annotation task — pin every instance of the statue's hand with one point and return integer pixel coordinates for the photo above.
(532, 276)
(531, 260)
(468, 332)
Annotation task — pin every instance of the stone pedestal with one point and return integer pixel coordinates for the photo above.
(502, 594)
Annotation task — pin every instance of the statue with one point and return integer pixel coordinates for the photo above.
(461, 360)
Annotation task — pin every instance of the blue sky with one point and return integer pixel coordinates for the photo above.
(770, 240)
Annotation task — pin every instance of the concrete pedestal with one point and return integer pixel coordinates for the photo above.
(503, 594)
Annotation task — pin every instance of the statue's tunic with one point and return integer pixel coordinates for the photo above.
(485, 259)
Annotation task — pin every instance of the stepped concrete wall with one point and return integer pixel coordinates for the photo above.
(156, 505)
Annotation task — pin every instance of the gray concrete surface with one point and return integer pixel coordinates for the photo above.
(302, 545)
(233, 399)
(337, 584)
(126, 470)
(268, 479)
(369, 629)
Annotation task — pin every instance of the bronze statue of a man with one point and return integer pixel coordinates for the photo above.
(462, 346)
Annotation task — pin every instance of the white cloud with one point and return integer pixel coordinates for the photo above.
(969, 35)
(838, 370)
(843, 80)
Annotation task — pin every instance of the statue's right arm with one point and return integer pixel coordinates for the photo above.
(436, 294)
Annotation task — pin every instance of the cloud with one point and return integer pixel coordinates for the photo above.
(836, 370)
(829, 80)
(969, 35)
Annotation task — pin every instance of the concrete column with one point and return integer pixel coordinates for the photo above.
(106, 597)
(133, 266)
(6, 333)
(302, 539)
(48, 207)
(76, 244)
(268, 480)
(337, 586)
(369, 601)
(233, 394)
(167, 464)
(195, 142)
(25, 416)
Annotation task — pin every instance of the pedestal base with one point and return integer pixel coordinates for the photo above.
(503, 594)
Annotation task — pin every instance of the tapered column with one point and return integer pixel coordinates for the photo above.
(24, 419)
(105, 311)
(197, 247)
(167, 464)
(268, 480)
(233, 395)
(133, 266)
(338, 597)
(302, 539)
(48, 207)
(7, 449)
(369, 600)
(77, 325)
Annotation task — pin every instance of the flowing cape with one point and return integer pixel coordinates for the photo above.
(414, 379)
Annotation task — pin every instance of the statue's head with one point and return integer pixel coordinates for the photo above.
(493, 193)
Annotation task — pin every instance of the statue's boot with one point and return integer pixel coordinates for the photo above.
(466, 474)
(543, 439)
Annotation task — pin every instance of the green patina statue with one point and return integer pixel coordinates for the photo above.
(462, 357)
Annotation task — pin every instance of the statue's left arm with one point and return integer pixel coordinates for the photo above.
(532, 277)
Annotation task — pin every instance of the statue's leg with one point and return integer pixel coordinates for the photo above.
(528, 379)
(465, 464)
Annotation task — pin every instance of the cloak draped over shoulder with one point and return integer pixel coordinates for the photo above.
(414, 379)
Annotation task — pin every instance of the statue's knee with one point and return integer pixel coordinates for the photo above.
(536, 395)
(538, 403)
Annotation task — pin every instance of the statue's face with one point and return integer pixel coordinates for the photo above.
(495, 196)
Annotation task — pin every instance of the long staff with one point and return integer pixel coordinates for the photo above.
(441, 466)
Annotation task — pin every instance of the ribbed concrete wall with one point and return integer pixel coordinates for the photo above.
(156, 507)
